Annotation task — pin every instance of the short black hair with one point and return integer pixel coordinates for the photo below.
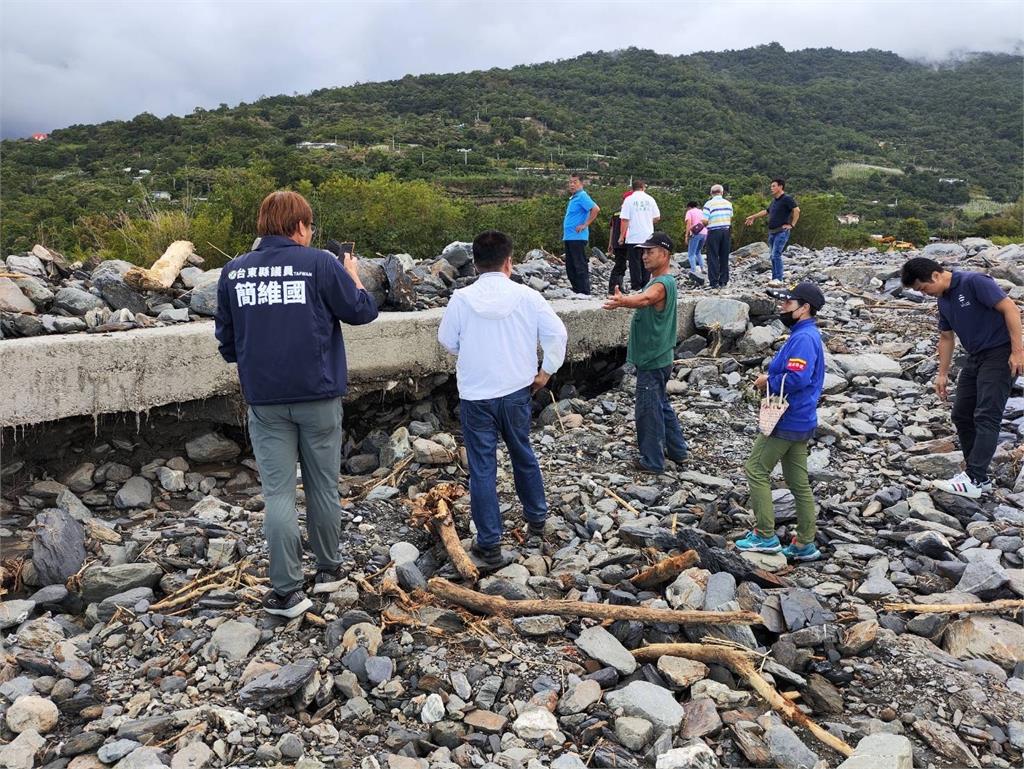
(490, 249)
(780, 182)
(919, 270)
(581, 177)
(692, 204)
(638, 184)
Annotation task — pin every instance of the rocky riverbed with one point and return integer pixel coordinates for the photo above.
(42, 293)
(133, 565)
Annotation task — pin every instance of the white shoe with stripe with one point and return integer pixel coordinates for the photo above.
(961, 485)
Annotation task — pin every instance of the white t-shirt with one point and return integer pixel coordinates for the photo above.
(641, 211)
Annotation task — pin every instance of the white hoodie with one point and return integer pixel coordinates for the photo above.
(494, 326)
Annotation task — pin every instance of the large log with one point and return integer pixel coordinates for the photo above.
(165, 270)
(741, 663)
(498, 606)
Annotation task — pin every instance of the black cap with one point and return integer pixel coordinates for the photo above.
(658, 240)
(805, 293)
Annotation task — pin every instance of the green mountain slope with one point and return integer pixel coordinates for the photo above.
(738, 117)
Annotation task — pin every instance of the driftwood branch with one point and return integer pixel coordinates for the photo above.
(741, 664)
(666, 570)
(992, 607)
(433, 510)
(498, 606)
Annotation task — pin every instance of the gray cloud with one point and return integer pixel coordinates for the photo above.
(88, 61)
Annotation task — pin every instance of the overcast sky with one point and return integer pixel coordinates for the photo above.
(88, 61)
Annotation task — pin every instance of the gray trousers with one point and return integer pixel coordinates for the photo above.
(309, 433)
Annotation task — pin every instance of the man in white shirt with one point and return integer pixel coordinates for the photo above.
(494, 326)
(639, 215)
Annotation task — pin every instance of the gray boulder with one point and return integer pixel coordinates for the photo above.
(99, 582)
(868, 364)
(203, 299)
(26, 265)
(136, 492)
(730, 315)
(118, 294)
(58, 548)
(944, 252)
(642, 699)
(271, 687)
(212, 447)
(75, 301)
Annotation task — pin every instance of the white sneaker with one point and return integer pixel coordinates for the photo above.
(961, 485)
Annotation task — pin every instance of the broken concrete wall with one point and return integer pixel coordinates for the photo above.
(48, 378)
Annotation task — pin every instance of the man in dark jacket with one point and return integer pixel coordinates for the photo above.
(278, 309)
(798, 372)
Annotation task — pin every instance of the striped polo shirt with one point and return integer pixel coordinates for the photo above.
(718, 211)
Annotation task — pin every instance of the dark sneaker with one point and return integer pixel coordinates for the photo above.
(327, 576)
(290, 606)
(490, 556)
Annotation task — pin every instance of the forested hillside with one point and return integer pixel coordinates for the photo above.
(887, 138)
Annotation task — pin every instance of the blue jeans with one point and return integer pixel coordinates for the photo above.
(777, 243)
(693, 251)
(657, 427)
(482, 422)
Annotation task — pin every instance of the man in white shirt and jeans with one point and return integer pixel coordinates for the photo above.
(494, 327)
(638, 216)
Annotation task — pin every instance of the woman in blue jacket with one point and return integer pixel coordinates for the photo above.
(799, 370)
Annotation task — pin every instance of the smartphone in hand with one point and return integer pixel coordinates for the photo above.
(341, 250)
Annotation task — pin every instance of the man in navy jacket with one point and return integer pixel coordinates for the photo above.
(277, 316)
(798, 370)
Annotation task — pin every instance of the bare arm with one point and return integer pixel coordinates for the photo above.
(1012, 317)
(794, 217)
(750, 219)
(592, 216)
(947, 341)
(623, 230)
(653, 295)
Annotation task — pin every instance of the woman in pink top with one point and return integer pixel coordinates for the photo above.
(696, 234)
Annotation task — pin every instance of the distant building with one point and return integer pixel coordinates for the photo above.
(144, 172)
(848, 219)
(316, 145)
(160, 195)
(952, 181)
(40, 137)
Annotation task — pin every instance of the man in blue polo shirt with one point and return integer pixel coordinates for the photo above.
(580, 213)
(987, 322)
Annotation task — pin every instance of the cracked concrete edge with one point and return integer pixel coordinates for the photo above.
(54, 377)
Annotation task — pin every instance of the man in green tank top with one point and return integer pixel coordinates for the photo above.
(652, 342)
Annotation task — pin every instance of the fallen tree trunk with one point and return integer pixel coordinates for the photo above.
(165, 270)
(742, 665)
(666, 570)
(498, 606)
(992, 607)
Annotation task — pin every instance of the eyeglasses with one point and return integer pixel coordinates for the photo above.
(312, 230)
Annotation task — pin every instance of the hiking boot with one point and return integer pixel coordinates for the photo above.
(291, 605)
(794, 551)
(640, 467)
(490, 556)
(755, 543)
(327, 576)
(962, 485)
(535, 533)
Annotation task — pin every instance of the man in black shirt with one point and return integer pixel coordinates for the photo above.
(783, 214)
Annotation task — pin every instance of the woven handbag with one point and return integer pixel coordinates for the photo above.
(772, 409)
